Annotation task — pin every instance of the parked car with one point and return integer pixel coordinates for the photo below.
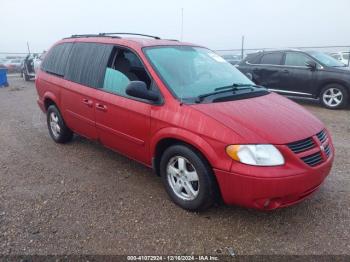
(37, 61)
(342, 57)
(13, 65)
(232, 59)
(27, 70)
(310, 74)
(31, 65)
(2, 62)
(181, 109)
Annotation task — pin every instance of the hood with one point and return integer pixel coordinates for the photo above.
(269, 119)
(342, 70)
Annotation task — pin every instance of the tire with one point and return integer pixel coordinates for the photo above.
(58, 130)
(334, 96)
(25, 76)
(179, 166)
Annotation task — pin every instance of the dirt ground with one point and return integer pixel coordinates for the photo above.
(81, 198)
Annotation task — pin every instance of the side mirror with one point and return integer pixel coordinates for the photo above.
(250, 76)
(139, 89)
(311, 65)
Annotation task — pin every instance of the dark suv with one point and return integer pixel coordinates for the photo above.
(309, 74)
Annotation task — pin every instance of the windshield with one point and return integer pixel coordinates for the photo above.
(193, 71)
(326, 59)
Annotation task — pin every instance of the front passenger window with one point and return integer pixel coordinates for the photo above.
(296, 59)
(124, 66)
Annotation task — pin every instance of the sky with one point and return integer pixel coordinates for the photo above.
(217, 24)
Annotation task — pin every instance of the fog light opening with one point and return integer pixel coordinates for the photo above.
(267, 203)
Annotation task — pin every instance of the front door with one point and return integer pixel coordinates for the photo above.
(123, 122)
(298, 77)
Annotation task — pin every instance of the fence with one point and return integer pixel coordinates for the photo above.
(235, 51)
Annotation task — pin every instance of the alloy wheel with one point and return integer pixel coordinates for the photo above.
(332, 97)
(54, 124)
(182, 178)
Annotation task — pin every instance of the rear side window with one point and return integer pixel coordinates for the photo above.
(87, 64)
(55, 61)
(253, 59)
(271, 59)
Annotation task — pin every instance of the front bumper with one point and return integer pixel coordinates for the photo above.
(41, 105)
(270, 192)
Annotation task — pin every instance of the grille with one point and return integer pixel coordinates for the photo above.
(327, 150)
(302, 145)
(309, 143)
(314, 159)
(322, 136)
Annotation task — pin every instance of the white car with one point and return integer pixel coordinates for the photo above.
(342, 56)
(31, 65)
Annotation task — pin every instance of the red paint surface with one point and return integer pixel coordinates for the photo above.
(135, 128)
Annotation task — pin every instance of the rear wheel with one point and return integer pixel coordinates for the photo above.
(334, 96)
(187, 178)
(58, 130)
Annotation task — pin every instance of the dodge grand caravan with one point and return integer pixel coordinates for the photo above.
(204, 127)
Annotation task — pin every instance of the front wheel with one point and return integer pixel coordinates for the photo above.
(334, 96)
(188, 178)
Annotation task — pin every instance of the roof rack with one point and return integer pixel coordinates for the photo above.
(114, 35)
(89, 35)
(111, 34)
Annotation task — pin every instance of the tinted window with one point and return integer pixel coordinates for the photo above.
(124, 66)
(87, 63)
(296, 59)
(253, 58)
(336, 56)
(55, 61)
(271, 59)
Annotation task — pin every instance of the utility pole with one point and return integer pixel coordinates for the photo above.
(242, 50)
(182, 23)
(28, 47)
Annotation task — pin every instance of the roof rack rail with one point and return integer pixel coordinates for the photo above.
(109, 34)
(89, 35)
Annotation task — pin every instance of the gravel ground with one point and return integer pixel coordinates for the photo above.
(82, 198)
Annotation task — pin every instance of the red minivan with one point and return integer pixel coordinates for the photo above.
(205, 128)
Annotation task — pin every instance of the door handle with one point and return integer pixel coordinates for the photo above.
(285, 71)
(101, 107)
(87, 102)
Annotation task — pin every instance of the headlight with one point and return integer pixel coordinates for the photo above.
(257, 155)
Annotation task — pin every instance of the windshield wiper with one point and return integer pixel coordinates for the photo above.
(234, 87)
